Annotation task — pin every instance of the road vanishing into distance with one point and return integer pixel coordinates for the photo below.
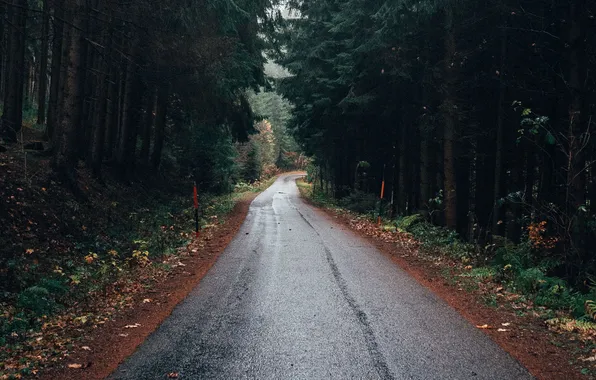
(298, 296)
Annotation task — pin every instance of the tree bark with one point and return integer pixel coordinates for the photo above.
(130, 122)
(402, 196)
(53, 103)
(498, 215)
(43, 64)
(577, 78)
(147, 127)
(3, 50)
(450, 120)
(160, 124)
(425, 178)
(114, 110)
(103, 93)
(12, 118)
(65, 155)
(578, 130)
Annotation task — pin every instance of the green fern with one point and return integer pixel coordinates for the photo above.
(590, 307)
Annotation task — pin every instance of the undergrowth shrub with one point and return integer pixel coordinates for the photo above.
(517, 266)
(407, 222)
(37, 300)
(359, 201)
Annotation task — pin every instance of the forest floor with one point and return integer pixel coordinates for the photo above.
(548, 350)
(110, 343)
(84, 279)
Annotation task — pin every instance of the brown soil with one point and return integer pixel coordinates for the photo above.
(109, 344)
(529, 341)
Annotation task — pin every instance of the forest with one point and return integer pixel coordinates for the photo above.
(463, 122)
(111, 112)
(114, 82)
(478, 115)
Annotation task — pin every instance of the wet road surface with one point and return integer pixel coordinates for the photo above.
(297, 296)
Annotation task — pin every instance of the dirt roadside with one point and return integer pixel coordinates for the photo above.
(106, 346)
(526, 338)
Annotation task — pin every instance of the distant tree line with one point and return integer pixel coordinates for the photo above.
(479, 114)
(117, 81)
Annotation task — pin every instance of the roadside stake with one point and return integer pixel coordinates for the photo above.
(196, 199)
(382, 196)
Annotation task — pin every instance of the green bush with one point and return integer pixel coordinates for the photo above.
(359, 201)
(530, 281)
(37, 300)
(407, 222)
(433, 236)
(253, 168)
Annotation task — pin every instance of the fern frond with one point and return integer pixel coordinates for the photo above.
(590, 307)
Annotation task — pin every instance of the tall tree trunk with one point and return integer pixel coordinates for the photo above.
(147, 127)
(402, 196)
(425, 178)
(414, 171)
(578, 127)
(463, 187)
(484, 199)
(514, 209)
(529, 179)
(3, 50)
(43, 64)
(53, 102)
(130, 123)
(498, 215)
(65, 154)
(88, 81)
(450, 121)
(114, 110)
(577, 123)
(103, 93)
(160, 124)
(26, 94)
(12, 118)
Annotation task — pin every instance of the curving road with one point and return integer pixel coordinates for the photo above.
(297, 296)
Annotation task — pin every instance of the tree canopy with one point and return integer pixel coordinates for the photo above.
(477, 114)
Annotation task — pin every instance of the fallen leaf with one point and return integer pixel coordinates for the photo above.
(75, 366)
(86, 348)
(503, 330)
(483, 327)
(132, 326)
(123, 335)
(505, 324)
(173, 375)
(147, 300)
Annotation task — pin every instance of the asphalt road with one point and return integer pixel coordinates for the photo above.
(297, 296)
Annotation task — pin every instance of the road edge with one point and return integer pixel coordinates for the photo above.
(112, 343)
(550, 363)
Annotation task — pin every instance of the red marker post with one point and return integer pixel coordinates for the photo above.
(196, 199)
(382, 196)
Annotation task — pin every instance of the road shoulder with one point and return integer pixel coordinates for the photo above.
(526, 338)
(107, 345)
